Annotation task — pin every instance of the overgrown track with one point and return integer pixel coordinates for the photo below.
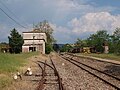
(109, 79)
(50, 76)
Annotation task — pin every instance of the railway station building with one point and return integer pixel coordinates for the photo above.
(34, 41)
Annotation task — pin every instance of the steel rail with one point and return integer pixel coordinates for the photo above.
(42, 81)
(73, 62)
(57, 74)
(95, 68)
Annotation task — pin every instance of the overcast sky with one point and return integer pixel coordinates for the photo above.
(70, 19)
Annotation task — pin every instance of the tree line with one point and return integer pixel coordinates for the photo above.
(98, 40)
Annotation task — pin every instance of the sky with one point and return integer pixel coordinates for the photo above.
(70, 19)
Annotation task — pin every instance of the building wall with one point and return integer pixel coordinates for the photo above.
(25, 48)
(106, 49)
(33, 42)
(35, 35)
(36, 40)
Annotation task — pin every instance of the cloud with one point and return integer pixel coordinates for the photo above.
(61, 34)
(92, 22)
(3, 33)
(69, 18)
(58, 11)
(53, 10)
(80, 27)
(84, 26)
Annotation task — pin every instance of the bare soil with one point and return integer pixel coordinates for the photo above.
(28, 82)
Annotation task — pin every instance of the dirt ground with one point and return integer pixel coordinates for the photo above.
(28, 82)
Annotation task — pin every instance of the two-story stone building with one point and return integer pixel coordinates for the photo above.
(34, 41)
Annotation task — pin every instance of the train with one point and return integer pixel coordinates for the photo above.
(83, 50)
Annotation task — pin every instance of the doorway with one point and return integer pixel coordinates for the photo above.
(32, 49)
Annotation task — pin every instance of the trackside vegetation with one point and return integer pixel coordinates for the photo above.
(9, 63)
(45, 27)
(104, 56)
(15, 41)
(98, 41)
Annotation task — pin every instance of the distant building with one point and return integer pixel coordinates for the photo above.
(34, 41)
(5, 48)
(106, 47)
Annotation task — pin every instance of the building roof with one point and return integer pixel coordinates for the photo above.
(35, 39)
(34, 31)
(31, 44)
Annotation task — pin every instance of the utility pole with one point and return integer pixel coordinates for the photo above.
(33, 37)
(33, 43)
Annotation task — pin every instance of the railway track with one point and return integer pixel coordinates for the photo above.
(50, 79)
(109, 79)
(101, 65)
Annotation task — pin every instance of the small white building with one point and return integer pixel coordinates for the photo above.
(34, 41)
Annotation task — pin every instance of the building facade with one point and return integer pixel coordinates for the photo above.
(34, 41)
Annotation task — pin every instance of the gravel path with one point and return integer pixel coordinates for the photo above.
(109, 68)
(76, 79)
(51, 79)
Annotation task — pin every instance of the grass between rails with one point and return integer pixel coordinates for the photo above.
(9, 63)
(104, 56)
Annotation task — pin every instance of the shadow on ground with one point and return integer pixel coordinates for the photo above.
(113, 69)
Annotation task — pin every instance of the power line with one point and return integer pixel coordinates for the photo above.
(11, 18)
(8, 9)
(11, 11)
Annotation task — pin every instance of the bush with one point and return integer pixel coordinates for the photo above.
(48, 48)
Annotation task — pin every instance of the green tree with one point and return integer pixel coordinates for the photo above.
(46, 28)
(65, 48)
(98, 39)
(48, 48)
(81, 43)
(56, 47)
(111, 44)
(15, 41)
(115, 41)
(117, 33)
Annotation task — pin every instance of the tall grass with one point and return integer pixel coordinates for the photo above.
(9, 63)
